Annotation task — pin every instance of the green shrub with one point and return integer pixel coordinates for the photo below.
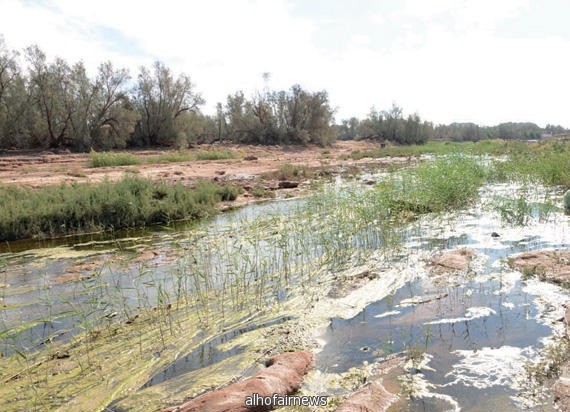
(443, 184)
(215, 155)
(547, 164)
(131, 202)
(263, 193)
(292, 172)
(229, 192)
(105, 159)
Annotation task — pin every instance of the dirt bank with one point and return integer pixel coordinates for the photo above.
(46, 168)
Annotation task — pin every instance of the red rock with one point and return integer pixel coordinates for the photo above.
(371, 398)
(375, 397)
(453, 260)
(283, 376)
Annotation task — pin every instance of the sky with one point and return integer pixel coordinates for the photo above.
(483, 61)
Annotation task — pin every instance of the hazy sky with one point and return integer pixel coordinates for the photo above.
(486, 61)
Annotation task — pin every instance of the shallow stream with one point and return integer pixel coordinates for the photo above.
(470, 334)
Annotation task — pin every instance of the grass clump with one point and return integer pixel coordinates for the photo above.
(548, 164)
(292, 172)
(176, 157)
(131, 202)
(229, 192)
(107, 159)
(261, 192)
(444, 184)
(215, 155)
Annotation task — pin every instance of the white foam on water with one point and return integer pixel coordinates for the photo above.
(389, 313)
(488, 367)
(549, 300)
(470, 314)
(419, 387)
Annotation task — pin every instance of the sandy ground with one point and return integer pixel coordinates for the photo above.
(45, 168)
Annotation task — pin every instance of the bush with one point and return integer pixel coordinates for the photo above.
(131, 202)
(106, 159)
(215, 155)
(444, 184)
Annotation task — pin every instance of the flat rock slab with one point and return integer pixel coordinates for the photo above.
(561, 389)
(283, 376)
(374, 397)
(348, 282)
(452, 261)
(550, 265)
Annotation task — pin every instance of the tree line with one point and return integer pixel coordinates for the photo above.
(392, 126)
(57, 105)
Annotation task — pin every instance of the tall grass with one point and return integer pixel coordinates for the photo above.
(547, 164)
(215, 155)
(441, 185)
(189, 156)
(108, 159)
(131, 202)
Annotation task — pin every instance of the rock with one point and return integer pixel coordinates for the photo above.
(549, 265)
(375, 397)
(346, 283)
(371, 398)
(455, 260)
(286, 184)
(220, 172)
(249, 158)
(561, 389)
(495, 234)
(283, 376)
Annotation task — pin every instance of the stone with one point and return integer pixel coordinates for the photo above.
(549, 265)
(283, 376)
(287, 184)
(455, 260)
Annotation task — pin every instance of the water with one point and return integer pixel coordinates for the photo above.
(100, 275)
(472, 333)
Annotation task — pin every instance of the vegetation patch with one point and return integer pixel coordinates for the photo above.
(435, 147)
(444, 184)
(108, 159)
(548, 164)
(263, 193)
(131, 202)
(289, 171)
(215, 155)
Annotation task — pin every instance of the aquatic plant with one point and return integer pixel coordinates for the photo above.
(130, 202)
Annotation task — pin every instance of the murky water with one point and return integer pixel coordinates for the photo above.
(45, 284)
(470, 335)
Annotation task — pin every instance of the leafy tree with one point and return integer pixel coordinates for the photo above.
(160, 99)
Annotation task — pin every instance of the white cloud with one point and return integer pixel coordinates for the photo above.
(445, 60)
